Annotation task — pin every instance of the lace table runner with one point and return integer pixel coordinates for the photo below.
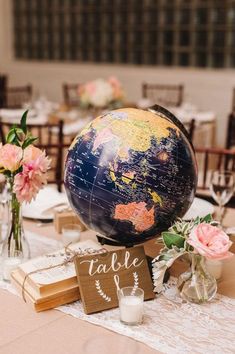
(170, 325)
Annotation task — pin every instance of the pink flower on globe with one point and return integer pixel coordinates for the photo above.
(10, 157)
(33, 177)
(210, 241)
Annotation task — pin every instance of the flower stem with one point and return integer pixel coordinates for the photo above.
(15, 228)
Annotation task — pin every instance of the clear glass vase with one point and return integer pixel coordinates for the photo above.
(197, 284)
(15, 249)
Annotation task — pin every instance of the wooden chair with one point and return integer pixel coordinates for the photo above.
(230, 137)
(233, 100)
(190, 127)
(70, 93)
(17, 96)
(51, 139)
(208, 160)
(164, 95)
(3, 89)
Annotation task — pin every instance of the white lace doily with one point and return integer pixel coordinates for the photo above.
(170, 325)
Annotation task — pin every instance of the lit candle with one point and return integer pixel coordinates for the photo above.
(9, 264)
(214, 267)
(131, 305)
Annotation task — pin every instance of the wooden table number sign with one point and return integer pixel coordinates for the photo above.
(100, 276)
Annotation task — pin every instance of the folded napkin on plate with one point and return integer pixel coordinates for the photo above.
(47, 199)
(199, 207)
(76, 126)
(15, 113)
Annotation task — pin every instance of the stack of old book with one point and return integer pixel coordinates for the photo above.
(45, 285)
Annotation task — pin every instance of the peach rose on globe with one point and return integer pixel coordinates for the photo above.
(210, 241)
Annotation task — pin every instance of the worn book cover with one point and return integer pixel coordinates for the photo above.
(50, 281)
(42, 303)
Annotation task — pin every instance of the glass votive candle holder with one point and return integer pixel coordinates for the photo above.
(11, 263)
(70, 233)
(131, 305)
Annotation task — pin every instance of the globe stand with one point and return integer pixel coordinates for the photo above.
(105, 241)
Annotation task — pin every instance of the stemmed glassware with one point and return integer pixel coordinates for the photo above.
(222, 186)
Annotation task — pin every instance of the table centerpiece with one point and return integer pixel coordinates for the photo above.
(101, 94)
(196, 240)
(25, 168)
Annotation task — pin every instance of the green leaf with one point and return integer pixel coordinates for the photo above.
(19, 131)
(164, 257)
(171, 239)
(23, 120)
(207, 218)
(11, 136)
(28, 142)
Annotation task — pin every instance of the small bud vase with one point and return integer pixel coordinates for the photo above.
(15, 249)
(197, 284)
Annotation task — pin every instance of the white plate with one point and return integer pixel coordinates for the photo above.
(46, 199)
(199, 207)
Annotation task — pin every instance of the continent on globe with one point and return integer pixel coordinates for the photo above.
(130, 173)
(137, 214)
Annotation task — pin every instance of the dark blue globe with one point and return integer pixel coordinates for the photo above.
(130, 173)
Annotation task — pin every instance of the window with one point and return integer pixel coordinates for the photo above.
(150, 32)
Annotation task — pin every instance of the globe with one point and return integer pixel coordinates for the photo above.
(130, 173)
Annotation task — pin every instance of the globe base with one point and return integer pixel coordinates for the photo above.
(106, 241)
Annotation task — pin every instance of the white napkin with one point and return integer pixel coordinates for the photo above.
(185, 115)
(46, 199)
(205, 116)
(144, 103)
(74, 128)
(15, 113)
(199, 207)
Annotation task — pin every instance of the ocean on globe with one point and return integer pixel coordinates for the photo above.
(130, 173)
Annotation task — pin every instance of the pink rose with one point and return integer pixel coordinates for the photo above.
(210, 241)
(10, 157)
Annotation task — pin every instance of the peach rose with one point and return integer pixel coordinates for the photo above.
(10, 157)
(210, 241)
(31, 153)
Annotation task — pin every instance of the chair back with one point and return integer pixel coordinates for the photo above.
(3, 89)
(70, 94)
(164, 95)
(209, 160)
(51, 139)
(17, 96)
(190, 127)
(233, 100)
(230, 137)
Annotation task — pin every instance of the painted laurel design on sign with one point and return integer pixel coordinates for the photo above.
(136, 283)
(100, 291)
(108, 298)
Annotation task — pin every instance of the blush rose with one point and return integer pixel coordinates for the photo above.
(210, 241)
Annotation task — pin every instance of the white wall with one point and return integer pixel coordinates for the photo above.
(208, 89)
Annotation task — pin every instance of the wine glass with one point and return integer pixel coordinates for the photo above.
(222, 188)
